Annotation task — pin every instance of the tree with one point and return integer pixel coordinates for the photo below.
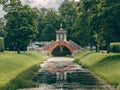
(42, 12)
(109, 22)
(21, 25)
(50, 23)
(2, 26)
(82, 27)
(68, 14)
(98, 20)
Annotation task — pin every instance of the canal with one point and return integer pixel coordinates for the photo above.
(60, 73)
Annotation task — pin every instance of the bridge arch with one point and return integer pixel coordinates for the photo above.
(65, 44)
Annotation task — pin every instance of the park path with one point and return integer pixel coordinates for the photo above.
(60, 73)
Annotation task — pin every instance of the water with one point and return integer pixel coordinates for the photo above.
(63, 74)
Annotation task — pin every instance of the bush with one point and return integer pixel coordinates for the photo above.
(115, 47)
(1, 44)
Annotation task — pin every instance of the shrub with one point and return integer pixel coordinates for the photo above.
(115, 47)
(1, 44)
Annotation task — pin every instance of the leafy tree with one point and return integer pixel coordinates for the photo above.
(2, 26)
(97, 22)
(109, 22)
(42, 12)
(68, 13)
(50, 23)
(82, 27)
(21, 25)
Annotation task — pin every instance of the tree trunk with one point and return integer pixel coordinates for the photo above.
(102, 49)
(18, 50)
(97, 48)
(108, 47)
(91, 46)
(24, 49)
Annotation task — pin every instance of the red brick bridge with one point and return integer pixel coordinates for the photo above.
(72, 46)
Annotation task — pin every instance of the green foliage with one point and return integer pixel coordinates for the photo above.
(2, 26)
(21, 26)
(97, 17)
(50, 23)
(1, 44)
(68, 13)
(17, 69)
(107, 66)
(1, 1)
(115, 47)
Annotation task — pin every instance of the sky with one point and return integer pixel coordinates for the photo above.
(1, 11)
(44, 3)
(39, 3)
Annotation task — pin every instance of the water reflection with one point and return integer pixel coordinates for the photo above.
(63, 74)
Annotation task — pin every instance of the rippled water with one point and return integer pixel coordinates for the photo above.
(63, 74)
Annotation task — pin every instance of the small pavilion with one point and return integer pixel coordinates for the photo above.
(61, 34)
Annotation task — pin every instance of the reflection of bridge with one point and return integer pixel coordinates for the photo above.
(61, 41)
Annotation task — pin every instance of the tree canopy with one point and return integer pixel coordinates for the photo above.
(21, 26)
(98, 22)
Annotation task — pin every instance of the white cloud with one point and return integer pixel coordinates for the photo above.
(2, 13)
(42, 3)
(77, 0)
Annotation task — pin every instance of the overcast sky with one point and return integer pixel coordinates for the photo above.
(1, 11)
(43, 3)
(39, 3)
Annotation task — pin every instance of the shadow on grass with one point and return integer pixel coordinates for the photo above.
(115, 58)
(77, 60)
(86, 54)
(23, 80)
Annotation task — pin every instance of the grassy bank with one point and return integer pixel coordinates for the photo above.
(16, 70)
(107, 66)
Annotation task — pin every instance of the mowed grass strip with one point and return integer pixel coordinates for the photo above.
(12, 64)
(107, 66)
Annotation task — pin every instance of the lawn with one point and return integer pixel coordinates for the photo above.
(107, 66)
(15, 66)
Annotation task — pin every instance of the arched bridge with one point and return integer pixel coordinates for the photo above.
(72, 46)
(56, 44)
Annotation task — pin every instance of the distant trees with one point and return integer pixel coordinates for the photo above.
(68, 16)
(110, 24)
(21, 26)
(89, 22)
(50, 23)
(2, 27)
(98, 23)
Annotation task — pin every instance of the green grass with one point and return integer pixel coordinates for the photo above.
(16, 70)
(107, 66)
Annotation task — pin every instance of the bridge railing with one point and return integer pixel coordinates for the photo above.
(48, 45)
(74, 44)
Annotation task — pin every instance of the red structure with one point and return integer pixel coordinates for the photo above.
(66, 44)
